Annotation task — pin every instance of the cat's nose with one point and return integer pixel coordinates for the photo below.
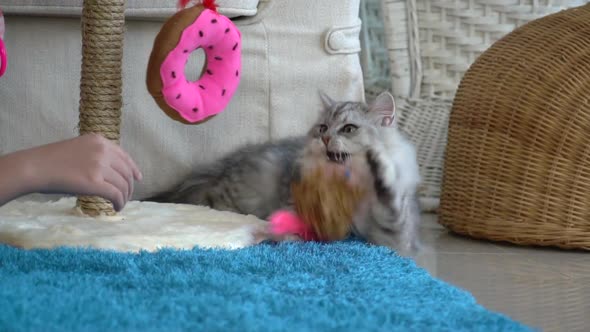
(326, 140)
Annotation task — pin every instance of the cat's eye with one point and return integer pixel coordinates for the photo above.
(349, 128)
(323, 129)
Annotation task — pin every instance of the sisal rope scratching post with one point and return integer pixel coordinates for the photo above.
(103, 24)
(148, 226)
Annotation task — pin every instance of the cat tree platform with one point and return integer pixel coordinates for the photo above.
(141, 226)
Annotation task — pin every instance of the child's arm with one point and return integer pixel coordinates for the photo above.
(15, 176)
(86, 165)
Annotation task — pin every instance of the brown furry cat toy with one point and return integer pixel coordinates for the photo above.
(326, 200)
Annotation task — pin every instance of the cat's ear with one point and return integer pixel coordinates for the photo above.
(327, 101)
(383, 109)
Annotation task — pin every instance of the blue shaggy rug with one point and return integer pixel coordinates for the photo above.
(348, 286)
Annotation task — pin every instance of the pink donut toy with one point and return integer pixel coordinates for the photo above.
(192, 28)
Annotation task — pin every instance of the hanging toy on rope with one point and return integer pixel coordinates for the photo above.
(3, 57)
(197, 27)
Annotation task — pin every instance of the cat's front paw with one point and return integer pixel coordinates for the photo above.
(407, 248)
(379, 172)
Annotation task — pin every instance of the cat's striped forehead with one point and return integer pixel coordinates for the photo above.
(345, 112)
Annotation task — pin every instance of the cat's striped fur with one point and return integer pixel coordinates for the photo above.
(255, 179)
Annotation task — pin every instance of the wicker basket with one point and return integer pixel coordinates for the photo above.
(431, 43)
(518, 156)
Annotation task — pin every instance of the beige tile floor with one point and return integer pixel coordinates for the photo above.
(543, 288)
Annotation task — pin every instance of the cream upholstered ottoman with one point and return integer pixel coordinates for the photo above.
(290, 50)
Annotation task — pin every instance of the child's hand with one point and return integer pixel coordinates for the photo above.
(86, 165)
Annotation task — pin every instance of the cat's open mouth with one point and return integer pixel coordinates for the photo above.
(338, 157)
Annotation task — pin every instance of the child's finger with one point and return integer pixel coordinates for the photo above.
(112, 194)
(121, 167)
(118, 181)
(129, 161)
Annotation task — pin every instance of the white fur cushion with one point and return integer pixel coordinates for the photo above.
(141, 226)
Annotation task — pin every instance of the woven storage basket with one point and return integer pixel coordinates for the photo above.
(431, 43)
(517, 167)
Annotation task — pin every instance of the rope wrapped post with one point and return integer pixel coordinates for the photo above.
(103, 24)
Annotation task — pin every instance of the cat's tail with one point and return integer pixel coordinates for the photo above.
(199, 189)
(163, 197)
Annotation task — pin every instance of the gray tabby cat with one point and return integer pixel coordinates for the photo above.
(256, 179)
